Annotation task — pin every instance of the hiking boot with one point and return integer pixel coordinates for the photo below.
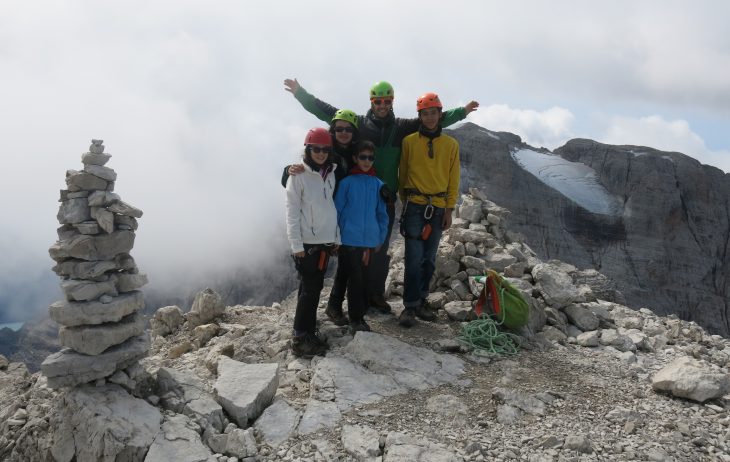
(336, 316)
(359, 326)
(407, 318)
(425, 313)
(378, 302)
(308, 346)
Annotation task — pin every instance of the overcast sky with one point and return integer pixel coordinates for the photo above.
(189, 99)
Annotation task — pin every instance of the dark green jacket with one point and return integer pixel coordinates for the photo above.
(387, 134)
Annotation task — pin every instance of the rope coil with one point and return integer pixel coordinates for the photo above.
(484, 336)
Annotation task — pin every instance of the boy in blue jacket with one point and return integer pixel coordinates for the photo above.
(363, 221)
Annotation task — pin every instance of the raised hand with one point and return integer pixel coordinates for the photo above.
(292, 86)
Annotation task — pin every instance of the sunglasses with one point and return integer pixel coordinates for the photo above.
(318, 149)
(366, 157)
(384, 102)
(344, 129)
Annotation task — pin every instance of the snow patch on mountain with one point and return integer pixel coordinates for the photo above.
(574, 180)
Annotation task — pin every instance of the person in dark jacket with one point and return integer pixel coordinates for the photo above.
(363, 222)
(381, 127)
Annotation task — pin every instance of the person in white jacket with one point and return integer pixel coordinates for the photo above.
(311, 226)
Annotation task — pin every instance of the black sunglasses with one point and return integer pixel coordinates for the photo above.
(318, 149)
(344, 129)
(384, 102)
(366, 157)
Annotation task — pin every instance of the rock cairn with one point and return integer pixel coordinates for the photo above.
(102, 328)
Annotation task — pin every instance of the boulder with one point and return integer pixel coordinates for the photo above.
(83, 181)
(74, 211)
(207, 306)
(102, 172)
(687, 378)
(245, 390)
(103, 423)
(80, 269)
(361, 442)
(459, 310)
(582, 318)
(401, 447)
(166, 320)
(93, 248)
(126, 282)
(555, 285)
(319, 415)
(122, 208)
(81, 290)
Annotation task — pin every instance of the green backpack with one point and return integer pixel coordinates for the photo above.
(502, 300)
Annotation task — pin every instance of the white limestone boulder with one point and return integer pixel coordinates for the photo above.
(245, 390)
(688, 378)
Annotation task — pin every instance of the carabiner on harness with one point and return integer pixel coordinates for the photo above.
(428, 211)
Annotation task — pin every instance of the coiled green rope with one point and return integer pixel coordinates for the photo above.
(484, 336)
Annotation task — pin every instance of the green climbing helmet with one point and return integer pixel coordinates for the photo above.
(382, 89)
(346, 115)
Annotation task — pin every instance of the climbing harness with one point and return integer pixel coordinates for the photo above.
(427, 213)
(325, 250)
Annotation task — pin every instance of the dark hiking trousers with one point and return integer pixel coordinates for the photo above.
(377, 270)
(311, 280)
(337, 294)
(350, 261)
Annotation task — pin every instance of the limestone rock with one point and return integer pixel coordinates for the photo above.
(178, 441)
(401, 447)
(122, 208)
(244, 390)
(95, 339)
(80, 269)
(686, 378)
(80, 290)
(68, 368)
(361, 442)
(93, 158)
(166, 320)
(318, 415)
(95, 312)
(581, 317)
(93, 248)
(556, 286)
(126, 282)
(103, 423)
(277, 423)
(190, 397)
(459, 311)
(83, 181)
(102, 172)
(207, 306)
(74, 211)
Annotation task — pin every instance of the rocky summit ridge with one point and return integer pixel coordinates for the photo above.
(594, 379)
(657, 223)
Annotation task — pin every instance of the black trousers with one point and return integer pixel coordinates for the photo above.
(311, 280)
(350, 275)
(377, 270)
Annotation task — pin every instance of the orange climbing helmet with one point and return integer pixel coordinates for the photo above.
(428, 100)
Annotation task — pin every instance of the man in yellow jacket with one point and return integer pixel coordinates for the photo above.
(428, 187)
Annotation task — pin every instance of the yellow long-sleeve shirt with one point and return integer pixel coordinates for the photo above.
(430, 176)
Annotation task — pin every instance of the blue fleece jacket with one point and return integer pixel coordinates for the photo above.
(361, 211)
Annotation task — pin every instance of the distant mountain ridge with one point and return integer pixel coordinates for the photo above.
(656, 222)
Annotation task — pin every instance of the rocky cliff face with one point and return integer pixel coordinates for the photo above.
(657, 223)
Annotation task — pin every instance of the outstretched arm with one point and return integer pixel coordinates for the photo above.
(451, 116)
(321, 110)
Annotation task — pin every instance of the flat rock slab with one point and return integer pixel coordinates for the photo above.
(67, 368)
(80, 269)
(177, 442)
(93, 247)
(277, 423)
(318, 415)
(83, 313)
(400, 447)
(361, 442)
(103, 423)
(95, 339)
(410, 366)
(245, 390)
(192, 398)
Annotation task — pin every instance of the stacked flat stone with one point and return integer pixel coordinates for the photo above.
(102, 330)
